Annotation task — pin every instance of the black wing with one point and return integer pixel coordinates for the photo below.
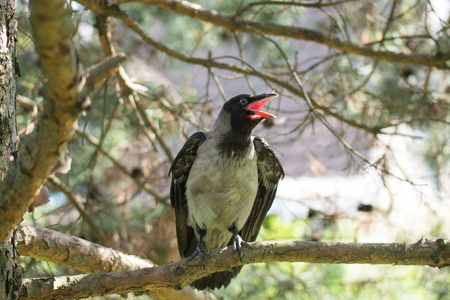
(270, 172)
(180, 171)
(187, 241)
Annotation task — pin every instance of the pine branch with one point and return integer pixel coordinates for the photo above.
(237, 23)
(178, 275)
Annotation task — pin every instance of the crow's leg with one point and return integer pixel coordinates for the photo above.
(237, 241)
(201, 249)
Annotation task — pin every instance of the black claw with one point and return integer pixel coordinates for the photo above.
(238, 242)
(200, 249)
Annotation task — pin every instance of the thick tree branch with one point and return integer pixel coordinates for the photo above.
(69, 251)
(236, 23)
(178, 275)
(56, 124)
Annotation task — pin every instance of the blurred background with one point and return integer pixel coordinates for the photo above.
(363, 139)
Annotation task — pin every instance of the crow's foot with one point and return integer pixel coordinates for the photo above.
(238, 242)
(200, 249)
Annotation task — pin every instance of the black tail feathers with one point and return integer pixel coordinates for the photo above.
(216, 280)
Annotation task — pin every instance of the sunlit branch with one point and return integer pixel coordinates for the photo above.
(178, 275)
(73, 252)
(79, 254)
(402, 37)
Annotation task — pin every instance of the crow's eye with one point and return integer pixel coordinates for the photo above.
(243, 101)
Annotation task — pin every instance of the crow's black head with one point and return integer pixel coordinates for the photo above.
(245, 111)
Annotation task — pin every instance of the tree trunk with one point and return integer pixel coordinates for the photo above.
(8, 128)
(10, 270)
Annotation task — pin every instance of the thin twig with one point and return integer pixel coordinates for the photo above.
(58, 185)
(318, 4)
(93, 141)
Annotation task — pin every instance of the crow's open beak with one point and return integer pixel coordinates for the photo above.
(257, 105)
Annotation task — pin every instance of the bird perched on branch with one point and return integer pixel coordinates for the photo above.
(223, 183)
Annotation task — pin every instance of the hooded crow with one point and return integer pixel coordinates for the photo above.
(223, 183)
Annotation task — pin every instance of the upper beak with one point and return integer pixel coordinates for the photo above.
(257, 105)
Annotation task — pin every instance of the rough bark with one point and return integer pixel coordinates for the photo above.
(69, 251)
(10, 270)
(56, 124)
(8, 127)
(178, 275)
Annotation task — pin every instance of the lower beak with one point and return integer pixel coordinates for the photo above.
(256, 107)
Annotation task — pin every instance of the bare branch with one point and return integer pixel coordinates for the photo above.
(178, 275)
(48, 245)
(69, 251)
